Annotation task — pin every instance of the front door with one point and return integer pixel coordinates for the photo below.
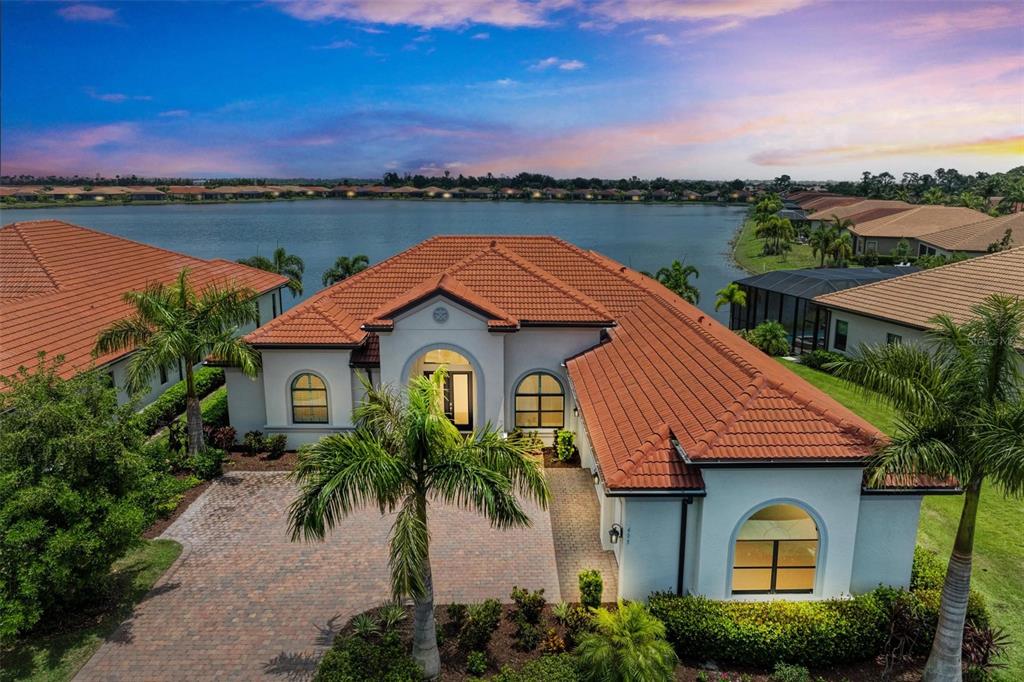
(458, 399)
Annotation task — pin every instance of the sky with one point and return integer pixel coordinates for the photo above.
(714, 89)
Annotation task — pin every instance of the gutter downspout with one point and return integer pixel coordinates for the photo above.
(686, 501)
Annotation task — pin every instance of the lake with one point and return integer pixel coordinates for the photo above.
(644, 236)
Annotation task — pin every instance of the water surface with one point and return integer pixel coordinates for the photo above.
(644, 236)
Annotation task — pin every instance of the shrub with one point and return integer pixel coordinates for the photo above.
(354, 659)
(560, 611)
(276, 445)
(817, 359)
(390, 615)
(928, 572)
(981, 648)
(529, 605)
(527, 635)
(160, 457)
(591, 588)
(255, 442)
(177, 436)
(553, 643)
(476, 663)
(787, 672)
(215, 408)
(769, 337)
(457, 614)
(365, 625)
(73, 487)
(222, 437)
(171, 403)
(817, 633)
(627, 644)
(560, 668)
(162, 493)
(577, 623)
(481, 622)
(207, 464)
(565, 445)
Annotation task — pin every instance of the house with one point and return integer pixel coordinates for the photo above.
(718, 471)
(975, 238)
(187, 192)
(881, 235)
(859, 211)
(22, 192)
(586, 193)
(635, 195)
(146, 194)
(787, 297)
(900, 310)
(478, 193)
(661, 194)
(556, 193)
(609, 193)
(347, 191)
(61, 284)
(63, 193)
(314, 190)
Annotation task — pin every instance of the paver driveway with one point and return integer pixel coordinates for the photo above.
(243, 602)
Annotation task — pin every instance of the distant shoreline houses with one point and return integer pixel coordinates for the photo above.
(13, 196)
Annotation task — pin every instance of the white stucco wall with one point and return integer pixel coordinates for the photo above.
(869, 330)
(831, 495)
(649, 557)
(247, 406)
(119, 369)
(886, 534)
(281, 366)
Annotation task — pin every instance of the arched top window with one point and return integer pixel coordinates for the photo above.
(309, 399)
(540, 402)
(776, 552)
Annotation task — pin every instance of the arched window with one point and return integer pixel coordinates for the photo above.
(309, 400)
(776, 552)
(540, 402)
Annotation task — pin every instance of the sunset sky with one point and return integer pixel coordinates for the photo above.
(612, 88)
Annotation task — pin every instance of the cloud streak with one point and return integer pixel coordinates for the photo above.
(88, 13)
(557, 63)
(423, 13)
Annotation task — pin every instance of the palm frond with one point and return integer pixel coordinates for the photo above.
(122, 335)
(459, 480)
(511, 457)
(904, 375)
(1000, 444)
(408, 552)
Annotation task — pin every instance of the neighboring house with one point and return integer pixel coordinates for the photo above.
(63, 193)
(975, 238)
(787, 297)
(899, 310)
(61, 284)
(718, 471)
(22, 192)
(881, 235)
(146, 194)
(187, 192)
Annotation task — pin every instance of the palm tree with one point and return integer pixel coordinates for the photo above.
(821, 240)
(961, 412)
(842, 249)
(626, 645)
(344, 267)
(777, 233)
(731, 294)
(933, 195)
(176, 323)
(970, 200)
(1013, 195)
(282, 263)
(676, 278)
(403, 454)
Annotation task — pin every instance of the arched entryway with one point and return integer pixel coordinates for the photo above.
(460, 388)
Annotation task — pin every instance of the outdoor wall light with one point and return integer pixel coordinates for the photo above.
(597, 479)
(575, 411)
(614, 533)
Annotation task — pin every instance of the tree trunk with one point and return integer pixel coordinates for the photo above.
(424, 629)
(193, 414)
(944, 660)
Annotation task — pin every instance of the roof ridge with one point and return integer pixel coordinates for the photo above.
(16, 229)
(638, 456)
(862, 287)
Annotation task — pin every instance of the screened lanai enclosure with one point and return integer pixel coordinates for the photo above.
(787, 297)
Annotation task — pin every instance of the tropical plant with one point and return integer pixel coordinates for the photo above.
(821, 239)
(901, 252)
(343, 268)
(970, 200)
(591, 586)
(777, 233)
(176, 323)
(1013, 195)
(282, 263)
(842, 249)
(627, 644)
(769, 337)
(403, 453)
(961, 407)
(933, 195)
(730, 294)
(676, 278)
(1003, 244)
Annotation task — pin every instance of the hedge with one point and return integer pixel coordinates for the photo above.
(171, 402)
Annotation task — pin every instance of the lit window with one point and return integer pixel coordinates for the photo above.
(540, 402)
(776, 552)
(842, 329)
(309, 400)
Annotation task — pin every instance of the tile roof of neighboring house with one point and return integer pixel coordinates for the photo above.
(854, 210)
(976, 237)
(827, 202)
(61, 284)
(186, 189)
(952, 289)
(917, 222)
(666, 376)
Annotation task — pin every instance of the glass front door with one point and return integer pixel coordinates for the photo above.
(458, 398)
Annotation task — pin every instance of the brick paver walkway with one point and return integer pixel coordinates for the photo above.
(243, 602)
(575, 526)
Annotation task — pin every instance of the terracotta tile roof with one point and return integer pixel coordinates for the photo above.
(952, 289)
(61, 284)
(917, 222)
(186, 189)
(976, 237)
(368, 354)
(895, 483)
(827, 202)
(668, 378)
(851, 211)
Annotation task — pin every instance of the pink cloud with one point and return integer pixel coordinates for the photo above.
(424, 13)
(84, 12)
(720, 13)
(945, 23)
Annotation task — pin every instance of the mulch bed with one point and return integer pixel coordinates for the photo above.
(552, 462)
(243, 460)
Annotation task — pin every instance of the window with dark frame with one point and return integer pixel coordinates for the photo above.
(776, 552)
(893, 338)
(309, 400)
(842, 329)
(540, 402)
(163, 375)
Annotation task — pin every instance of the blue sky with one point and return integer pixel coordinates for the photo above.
(330, 88)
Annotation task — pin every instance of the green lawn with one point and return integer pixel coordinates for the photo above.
(747, 253)
(999, 544)
(59, 656)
